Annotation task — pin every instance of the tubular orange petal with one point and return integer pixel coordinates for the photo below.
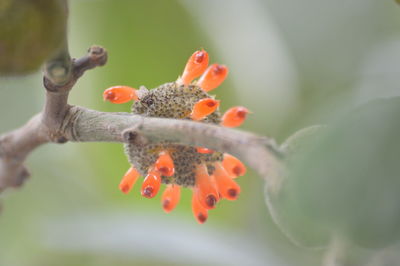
(226, 186)
(203, 108)
(151, 184)
(195, 66)
(129, 180)
(213, 77)
(199, 212)
(205, 189)
(233, 166)
(235, 116)
(120, 94)
(170, 198)
(204, 150)
(165, 164)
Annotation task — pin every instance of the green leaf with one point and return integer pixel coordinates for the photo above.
(347, 181)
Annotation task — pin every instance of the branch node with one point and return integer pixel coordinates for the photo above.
(98, 55)
(133, 136)
(61, 140)
(21, 177)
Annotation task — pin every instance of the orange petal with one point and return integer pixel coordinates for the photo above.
(204, 150)
(129, 180)
(195, 66)
(234, 117)
(165, 164)
(170, 197)
(226, 186)
(120, 94)
(205, 189)
(199, 212)
(151, 184)
(213, 77)
(233, 166)
(203, 108)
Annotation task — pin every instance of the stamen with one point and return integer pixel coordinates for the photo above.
(195, 66)
(165, 164)
(226, 186)
(129, 180)
(203, 108)
(204, 150)
(199, 212)
(235, 116)
(233, 166)
(205, 189)
(120, 94)
(170, 197)
(151, 184)
(213, 77)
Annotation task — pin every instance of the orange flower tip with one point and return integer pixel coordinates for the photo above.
(201, 218)
(200, 213)
(233, 166)
(151, 184)
(211, 201)
(125, 188)
(195, 66)
(148, 192)
(211, 103)
(235, 116)
(226, 186)
(200, 56)
(219, 70)
(165, 164)
(213, 77)
(203, 108)
(166, 205)
(204, 150)
(233, 193)
(242, 113)
(170, 197)
(165, 171)
(108, 96)
(238, 171)
(129, 180)
(120, 94)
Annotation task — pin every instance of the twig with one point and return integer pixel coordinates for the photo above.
(60, 122)
(60, 76)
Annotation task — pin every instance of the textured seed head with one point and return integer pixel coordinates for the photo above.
(172, 101)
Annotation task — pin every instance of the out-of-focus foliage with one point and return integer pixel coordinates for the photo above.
(30, 32)
(301, 229)
(349, 180)
(344, 179)
(293, 63)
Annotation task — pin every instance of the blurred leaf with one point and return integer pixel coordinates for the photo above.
(348, 180)
(31, 32)
(117, 234)
(288, 216)
(301, 140)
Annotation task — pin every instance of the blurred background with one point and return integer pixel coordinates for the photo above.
(292, 63)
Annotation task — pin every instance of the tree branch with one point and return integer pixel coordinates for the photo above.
(60, 122)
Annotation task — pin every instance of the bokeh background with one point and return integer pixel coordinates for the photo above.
(292, 63)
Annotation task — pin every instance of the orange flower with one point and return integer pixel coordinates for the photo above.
(207, 172)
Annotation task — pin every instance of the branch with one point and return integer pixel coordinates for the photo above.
(85, 125)
(60, 122)
(60, 75)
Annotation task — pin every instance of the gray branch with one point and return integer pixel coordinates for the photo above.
(60, 122)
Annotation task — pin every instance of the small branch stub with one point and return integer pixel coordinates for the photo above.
(47, 126)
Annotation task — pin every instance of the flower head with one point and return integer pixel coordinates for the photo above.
(207, 172)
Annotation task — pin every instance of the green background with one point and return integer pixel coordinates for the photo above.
(293, 63)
